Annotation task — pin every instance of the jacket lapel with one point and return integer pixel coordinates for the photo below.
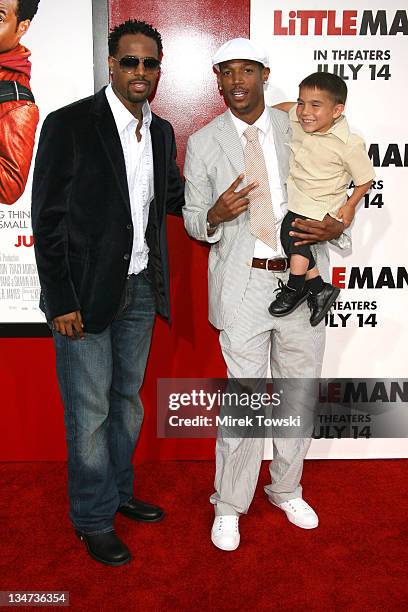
(159, 164)
(281, 138)
(230, 143)
(108, 134)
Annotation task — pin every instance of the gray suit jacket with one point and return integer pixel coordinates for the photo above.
(214, 159)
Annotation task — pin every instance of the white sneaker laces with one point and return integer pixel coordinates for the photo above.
(298, 505)
(227, 523)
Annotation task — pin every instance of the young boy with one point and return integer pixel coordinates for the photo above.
(325, 154)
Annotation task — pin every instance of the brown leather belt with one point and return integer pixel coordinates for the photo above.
(277, 265)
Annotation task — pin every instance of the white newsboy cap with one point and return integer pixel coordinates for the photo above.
(240, 48)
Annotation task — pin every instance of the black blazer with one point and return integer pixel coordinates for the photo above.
(82, 224)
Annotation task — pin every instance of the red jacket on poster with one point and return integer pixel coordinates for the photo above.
(18, 123)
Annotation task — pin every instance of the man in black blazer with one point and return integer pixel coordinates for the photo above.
(105, 177)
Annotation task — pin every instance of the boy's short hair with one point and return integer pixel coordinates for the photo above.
(326, 81)
(26, 9)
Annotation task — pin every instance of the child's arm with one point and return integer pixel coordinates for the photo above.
(284, 106)
(346, 213)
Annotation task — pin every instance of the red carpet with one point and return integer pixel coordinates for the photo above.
(355, 561)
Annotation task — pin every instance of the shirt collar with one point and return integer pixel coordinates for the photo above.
(123, 117)
(262, 123)
(340, 127)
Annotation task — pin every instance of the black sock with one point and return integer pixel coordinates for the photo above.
(296, 281)
(314, 285)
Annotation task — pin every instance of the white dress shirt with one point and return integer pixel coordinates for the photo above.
(279, 203)
(139, 171)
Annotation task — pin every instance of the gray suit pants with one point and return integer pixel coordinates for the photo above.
(295, 350)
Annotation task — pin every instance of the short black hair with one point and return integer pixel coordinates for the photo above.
(326, 81)
(132, 26)
(26, 9)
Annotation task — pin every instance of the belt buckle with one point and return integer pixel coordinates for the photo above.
(268, 259)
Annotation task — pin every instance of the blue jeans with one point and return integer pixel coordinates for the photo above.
(99, 379)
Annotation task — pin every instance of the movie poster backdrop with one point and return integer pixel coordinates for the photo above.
(60, 41)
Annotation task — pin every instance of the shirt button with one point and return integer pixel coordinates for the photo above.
(129, 226)
(126, 257)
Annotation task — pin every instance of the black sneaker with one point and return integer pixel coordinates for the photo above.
(320, 303)
(287, 300)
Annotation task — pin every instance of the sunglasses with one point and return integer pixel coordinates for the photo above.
(129, 63)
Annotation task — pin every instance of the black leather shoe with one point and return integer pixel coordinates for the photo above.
(287, 300)
(141, 511)
(105, 548)
(320, 303)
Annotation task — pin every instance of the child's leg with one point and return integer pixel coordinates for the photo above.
(304, 280)
(314, 282)
(303, 271)
(299, 265)
(310, 274)
(293, 294)
(322, 295)
(298, 269)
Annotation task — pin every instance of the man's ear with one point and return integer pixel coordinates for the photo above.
(338, 110)
(265, 74)
(219, 81)
(23, 27)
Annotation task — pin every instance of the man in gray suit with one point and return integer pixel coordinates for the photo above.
(245, 268)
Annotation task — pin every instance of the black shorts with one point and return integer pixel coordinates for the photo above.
(288, 242)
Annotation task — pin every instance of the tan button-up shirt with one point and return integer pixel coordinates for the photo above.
(321, 166)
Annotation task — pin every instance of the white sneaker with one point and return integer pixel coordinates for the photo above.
(225, 532)
(299, 513)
